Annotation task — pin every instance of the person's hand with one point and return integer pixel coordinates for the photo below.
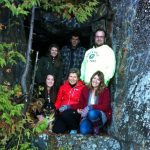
(85, 111)
(63, 108)
(79, 111)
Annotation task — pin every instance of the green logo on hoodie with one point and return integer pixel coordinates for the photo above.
(91, 56)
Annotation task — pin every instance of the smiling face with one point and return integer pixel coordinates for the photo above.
(50, 81)
(96, 81)
(54, 51)
(73, 78)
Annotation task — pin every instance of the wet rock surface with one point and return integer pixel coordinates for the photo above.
(77, 142)
(130, 127)
(131, 101)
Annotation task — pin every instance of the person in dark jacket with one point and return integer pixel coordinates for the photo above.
(72, 55)
(43, 107)
(67, 103)
(50, 64)
(47, 95)
(95, 107)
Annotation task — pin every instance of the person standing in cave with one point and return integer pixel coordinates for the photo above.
(100, 57)
(72, 54)
(50, 64)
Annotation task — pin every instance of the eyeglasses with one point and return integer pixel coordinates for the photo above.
(99, 36)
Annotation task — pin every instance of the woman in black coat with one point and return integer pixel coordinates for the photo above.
(50, 64)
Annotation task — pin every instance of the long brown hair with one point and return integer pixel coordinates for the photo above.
(53, 92)
(102, 82)
(57, 62)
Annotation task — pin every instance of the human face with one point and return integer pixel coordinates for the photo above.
(73, 78)
(74, 41)
(96, 81)
(99, 38)
(50, 81)
(53, 51)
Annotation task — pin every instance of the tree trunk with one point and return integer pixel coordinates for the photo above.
(28, 59)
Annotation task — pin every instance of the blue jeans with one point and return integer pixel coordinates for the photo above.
(87, 123)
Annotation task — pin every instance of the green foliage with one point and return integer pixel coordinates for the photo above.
(85, 11)
(19, 8)
(13, 123)
(9, 56)
(46, 123)
(9, 114)
(41, 126)
(66, 9)
(13, 55)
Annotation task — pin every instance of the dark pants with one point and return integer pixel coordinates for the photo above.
(66, 121)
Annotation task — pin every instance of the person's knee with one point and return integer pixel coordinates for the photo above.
(93, 115)
(85, 127)
(66, 114)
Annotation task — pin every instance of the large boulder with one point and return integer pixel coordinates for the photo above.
(131, 90)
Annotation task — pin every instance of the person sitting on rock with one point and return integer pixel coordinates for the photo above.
(67, 103)
(95, 107)
(44, 107)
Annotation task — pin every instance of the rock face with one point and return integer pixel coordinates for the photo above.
(88, 142)
(130, 128)
(76, 142)
(131, 102)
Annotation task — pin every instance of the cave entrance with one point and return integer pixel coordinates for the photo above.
(41, 42)
(49, 31)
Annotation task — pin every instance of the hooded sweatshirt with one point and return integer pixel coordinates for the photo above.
(98, 59)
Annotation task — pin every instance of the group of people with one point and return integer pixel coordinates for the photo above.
(81, 101)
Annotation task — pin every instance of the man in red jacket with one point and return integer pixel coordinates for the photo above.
(67, 103)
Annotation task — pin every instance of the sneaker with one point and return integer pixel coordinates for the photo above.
(73, 132)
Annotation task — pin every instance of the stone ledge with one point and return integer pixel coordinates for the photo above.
(87, 142)
(78, 142)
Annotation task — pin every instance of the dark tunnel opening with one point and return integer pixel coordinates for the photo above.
(42, 37)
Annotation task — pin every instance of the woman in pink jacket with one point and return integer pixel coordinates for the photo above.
(95, 107)
(67, 103)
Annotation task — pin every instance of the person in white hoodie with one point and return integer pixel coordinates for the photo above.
(99, 58)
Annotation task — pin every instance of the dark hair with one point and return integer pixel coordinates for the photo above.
(58, 58)
(102, 83)
(75, 33)
(53, 45)
(99, 29)
(51, 75)
(52, 90)
(75, 70)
